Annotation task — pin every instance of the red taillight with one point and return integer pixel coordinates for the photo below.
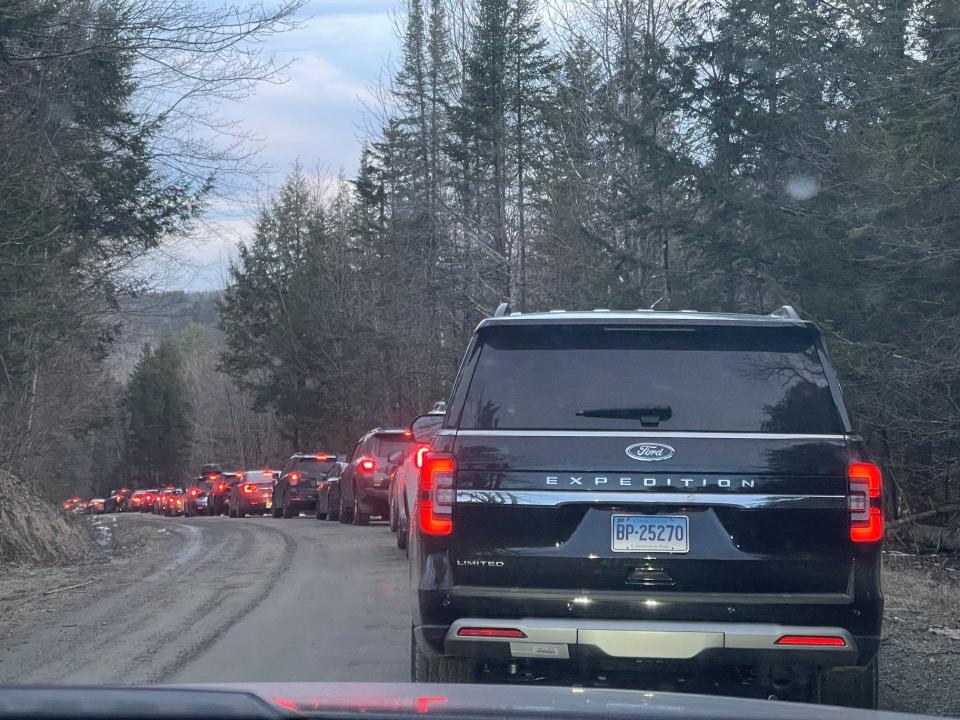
(221, 487)
(491, 632)
(436, 494)
(194, 491)
(294, 478)
(249, 489)
(818, 640)
(421, 451)
(367, 465)
(866, 502)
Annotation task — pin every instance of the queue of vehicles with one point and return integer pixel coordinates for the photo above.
(617, 491)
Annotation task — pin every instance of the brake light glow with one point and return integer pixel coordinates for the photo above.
(194, 491)
(421, 451)
(436, 494)
(817, 640)
(221, 486)
(249, 488)
(294, 478)
(493, 632)
(324, 456)
(366, 465)
(423, 703)
(866, 502)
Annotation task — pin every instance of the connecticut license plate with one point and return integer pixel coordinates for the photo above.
(269, 504)
(649, 533)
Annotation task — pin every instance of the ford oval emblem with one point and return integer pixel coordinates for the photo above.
(650, 452)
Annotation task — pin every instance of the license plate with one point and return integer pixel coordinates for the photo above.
(649, 533)
(269, 504)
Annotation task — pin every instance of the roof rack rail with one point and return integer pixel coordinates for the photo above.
(502, 309)
(786, 311)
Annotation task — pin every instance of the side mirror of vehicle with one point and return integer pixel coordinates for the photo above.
(396, 457)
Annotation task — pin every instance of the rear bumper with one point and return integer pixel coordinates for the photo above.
(302, 503)
(374, 499)
(606, 642)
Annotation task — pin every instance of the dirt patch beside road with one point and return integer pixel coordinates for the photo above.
(31, 594)
(34, 531)
(920, 655)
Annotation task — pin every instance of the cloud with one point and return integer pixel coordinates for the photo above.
(336, 57)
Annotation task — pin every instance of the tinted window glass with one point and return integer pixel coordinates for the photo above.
(689, 379)
(314, 468)
(386, 444)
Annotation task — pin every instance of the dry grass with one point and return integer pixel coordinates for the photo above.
(35, 532)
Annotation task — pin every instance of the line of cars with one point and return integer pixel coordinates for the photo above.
(673, 493)
(377, 479)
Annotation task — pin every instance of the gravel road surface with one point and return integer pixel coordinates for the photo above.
(211, 600)
(259, 599)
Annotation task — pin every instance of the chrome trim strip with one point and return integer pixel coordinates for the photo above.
(555, 498)
(641, 435)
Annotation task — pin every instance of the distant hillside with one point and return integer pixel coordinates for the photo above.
(148, 318)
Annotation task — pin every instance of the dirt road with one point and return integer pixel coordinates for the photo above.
(215, 599)
(259, 599)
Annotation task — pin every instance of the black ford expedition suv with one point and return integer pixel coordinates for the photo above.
(627, 490)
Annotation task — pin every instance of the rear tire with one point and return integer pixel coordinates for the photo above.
(275, 510)
(333, 506)
(320, 515)
(346, 513)
(855, 686)
(287, 510)
(426, 668)
(402, 533)
(240, 511)
(394, 525)
(359, 516)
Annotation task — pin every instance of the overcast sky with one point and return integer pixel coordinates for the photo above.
(317, 116)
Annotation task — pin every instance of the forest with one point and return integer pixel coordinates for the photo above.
(731, 155)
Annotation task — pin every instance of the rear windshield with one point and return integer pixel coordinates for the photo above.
(314, 468)
(386, 444)
(706, 379)
(258, 476)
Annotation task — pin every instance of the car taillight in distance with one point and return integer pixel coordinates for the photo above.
(366, 465)
(250, 488)
(294, 478)
(866, 502)
(436, 494)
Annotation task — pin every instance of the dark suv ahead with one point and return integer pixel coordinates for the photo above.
(650, 490)
(295, 489)
(365, 482)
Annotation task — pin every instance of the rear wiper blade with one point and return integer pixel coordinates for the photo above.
(648, 416)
